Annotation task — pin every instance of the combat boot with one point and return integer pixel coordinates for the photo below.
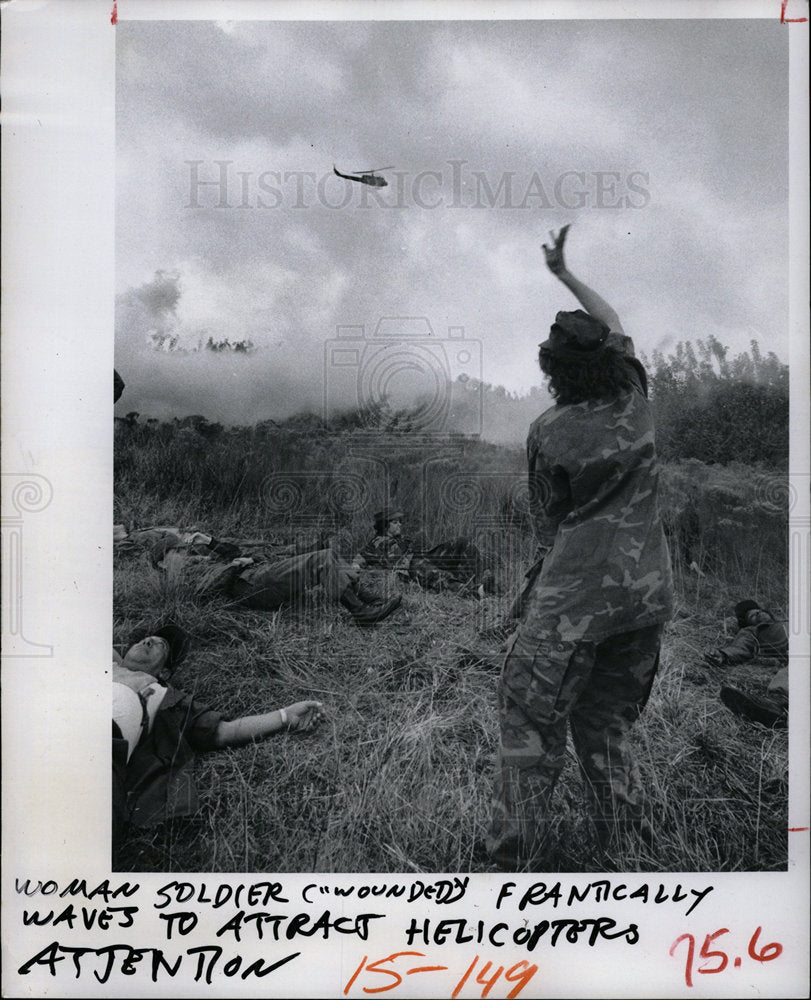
(767, 712)
(368, 614)
(351, 601)
(368, 596)
(371, 614)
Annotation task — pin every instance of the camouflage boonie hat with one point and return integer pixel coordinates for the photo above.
(575, 335)
(383, 518)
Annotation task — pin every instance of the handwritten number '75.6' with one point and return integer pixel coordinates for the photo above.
(766, 954)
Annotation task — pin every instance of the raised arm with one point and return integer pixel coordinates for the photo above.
(593, 303)
(299, 717)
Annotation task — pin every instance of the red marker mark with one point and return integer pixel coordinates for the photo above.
(520, 973)
(797, 829)
(789, 20)
(767, 953)
(114, 15)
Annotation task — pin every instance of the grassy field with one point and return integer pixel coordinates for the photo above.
(398, 777)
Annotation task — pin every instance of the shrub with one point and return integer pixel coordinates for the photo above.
(722, 411)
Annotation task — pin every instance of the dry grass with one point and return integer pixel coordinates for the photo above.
(398, 777)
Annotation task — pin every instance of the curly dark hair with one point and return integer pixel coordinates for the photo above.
(598, 378)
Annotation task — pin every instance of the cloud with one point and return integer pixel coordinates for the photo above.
(227, 136)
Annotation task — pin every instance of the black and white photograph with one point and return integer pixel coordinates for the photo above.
(449, 520)
(321, 485)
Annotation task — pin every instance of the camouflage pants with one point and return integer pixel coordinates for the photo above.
(268, 586)
(456, 566)
(599, 690)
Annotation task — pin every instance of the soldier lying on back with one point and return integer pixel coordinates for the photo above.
(158, 729)
(759, 635)
(272, 578)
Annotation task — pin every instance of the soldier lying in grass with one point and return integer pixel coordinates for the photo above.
(759, 635)
(265, 582)
(455, 566)
(587, 649)
(158, 729)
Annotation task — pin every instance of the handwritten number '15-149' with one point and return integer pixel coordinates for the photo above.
(766, 954)
(520, 973)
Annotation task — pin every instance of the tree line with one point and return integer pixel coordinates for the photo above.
(707, 405)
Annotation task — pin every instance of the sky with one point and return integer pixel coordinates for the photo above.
(663, 143)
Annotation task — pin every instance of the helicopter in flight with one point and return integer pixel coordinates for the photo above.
(365, 176)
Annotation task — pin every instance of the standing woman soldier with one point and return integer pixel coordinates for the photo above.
(587, 648)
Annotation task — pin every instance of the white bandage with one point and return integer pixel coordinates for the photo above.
(128, 714)
(283, 714)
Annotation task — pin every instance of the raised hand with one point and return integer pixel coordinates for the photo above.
(554, 254)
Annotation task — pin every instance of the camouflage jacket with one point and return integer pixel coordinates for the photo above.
(766, 639)
(387, 551)
(455, 566)
(593, 476)
(204, 575)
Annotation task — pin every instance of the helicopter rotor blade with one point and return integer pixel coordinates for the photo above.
(346, 176)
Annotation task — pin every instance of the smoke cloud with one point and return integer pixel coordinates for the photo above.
(169, 372)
